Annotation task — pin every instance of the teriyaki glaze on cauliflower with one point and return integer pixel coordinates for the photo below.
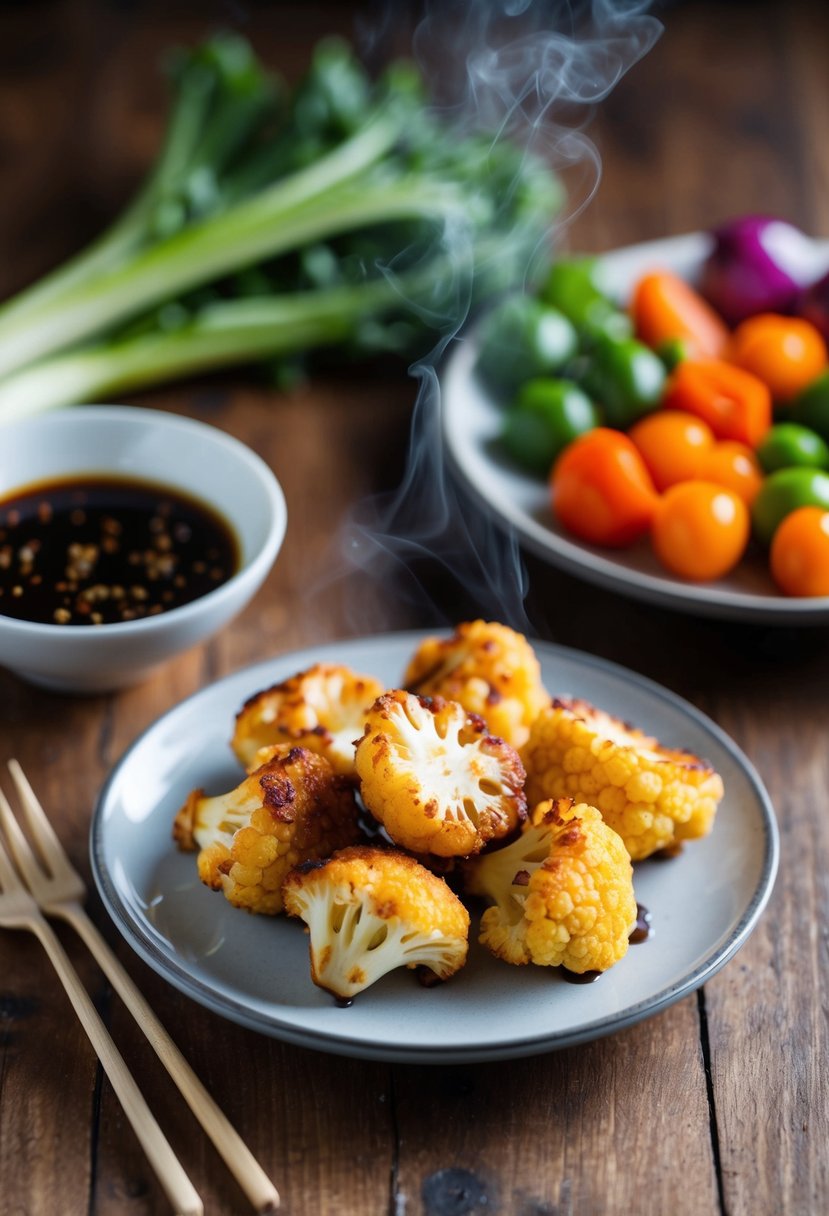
(322, 709)
(487, 668)
(561, 894)
(370, 911)
(653, 796)
(434, 778)
(292, 808)
(437, 766)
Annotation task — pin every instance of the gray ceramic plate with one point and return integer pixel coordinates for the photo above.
(255, 970)
(472, 422)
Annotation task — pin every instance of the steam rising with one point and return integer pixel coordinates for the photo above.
(531, 72)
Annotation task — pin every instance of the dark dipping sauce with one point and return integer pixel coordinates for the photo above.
(95, 550)
(641, 932)
(643, 929)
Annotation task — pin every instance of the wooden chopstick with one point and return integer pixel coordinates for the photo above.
(241, 1162)
(169, 1170)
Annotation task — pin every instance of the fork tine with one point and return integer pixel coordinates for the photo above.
(9, 878)
(22, 853)
(42, 830)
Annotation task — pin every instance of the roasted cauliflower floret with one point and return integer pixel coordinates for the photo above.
(653, 796)
(322, 709)
(434, 778)
(370, 911)
(292, 808)
(487, 668)
(562, 893)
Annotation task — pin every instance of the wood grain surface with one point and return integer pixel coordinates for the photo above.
(717, 1105)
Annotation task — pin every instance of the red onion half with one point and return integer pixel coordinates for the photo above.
(758, 264)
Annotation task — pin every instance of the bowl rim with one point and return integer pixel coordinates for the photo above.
(254, 568)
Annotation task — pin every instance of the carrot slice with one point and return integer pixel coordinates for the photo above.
(664, 308)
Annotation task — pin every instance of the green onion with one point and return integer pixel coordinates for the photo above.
(274, 223)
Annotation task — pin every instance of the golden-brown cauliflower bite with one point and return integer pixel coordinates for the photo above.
(561, 894)
(653, 796)
(487, 668)
(435, 779)
(292, 808)
(369, 911)
(322, 709)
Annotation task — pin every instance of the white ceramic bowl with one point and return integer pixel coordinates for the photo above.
(151, 445)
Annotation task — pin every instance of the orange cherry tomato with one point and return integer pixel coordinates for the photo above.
(734, 403)
(673, 444)
(601, 490)
(786, 353)
(700, 530)
(800, 552)
(665, 307)
(734, 466)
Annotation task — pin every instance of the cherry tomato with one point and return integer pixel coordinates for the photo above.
(800, 553)
(735, 466)
(601, 490)
(700, 530)
(786, 353)
(673, 445)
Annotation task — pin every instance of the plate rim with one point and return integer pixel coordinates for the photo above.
(224, 1005)
(586, 563)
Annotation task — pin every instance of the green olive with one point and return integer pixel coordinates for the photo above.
(789, 445)
(783, 492)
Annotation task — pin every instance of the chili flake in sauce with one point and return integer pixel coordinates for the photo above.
(103, 550)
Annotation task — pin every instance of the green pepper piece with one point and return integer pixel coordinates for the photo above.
(625, 379)
(572, 288)
(522, 339)
(672, 352)
(546, 416)
(783, 492)
(613, 324)
(811, 406)
(789, 445)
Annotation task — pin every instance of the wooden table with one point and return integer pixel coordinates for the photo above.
(719, 1104)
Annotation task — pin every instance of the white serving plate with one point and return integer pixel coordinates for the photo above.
(254, 970)
(516, 501)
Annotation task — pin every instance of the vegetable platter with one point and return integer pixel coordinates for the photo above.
(493, 468)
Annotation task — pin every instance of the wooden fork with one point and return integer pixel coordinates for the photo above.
(59, 891)
(18, 910)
